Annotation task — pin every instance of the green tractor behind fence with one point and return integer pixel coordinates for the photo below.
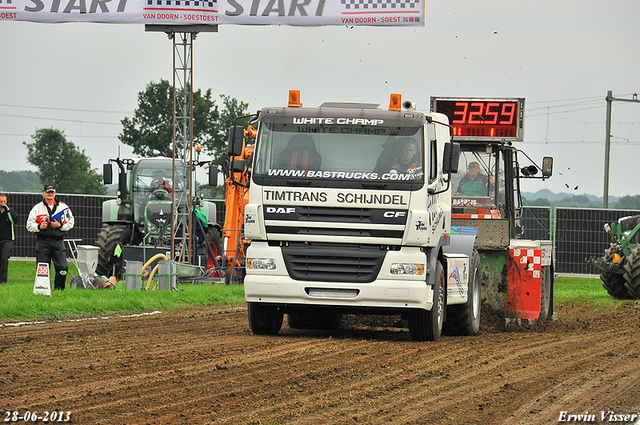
(152, 193)
(620, 265)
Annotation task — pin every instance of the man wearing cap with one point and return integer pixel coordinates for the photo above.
(51, 219)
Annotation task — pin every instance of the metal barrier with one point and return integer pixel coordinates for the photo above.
(578, 232)
(536, 223)
(86, 209)
(580, 235)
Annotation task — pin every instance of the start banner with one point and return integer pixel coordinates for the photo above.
(239, 12)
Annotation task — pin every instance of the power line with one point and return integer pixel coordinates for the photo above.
(48, 108)
(66, 135)
(59, 119)
(567, 100)
(562, 112)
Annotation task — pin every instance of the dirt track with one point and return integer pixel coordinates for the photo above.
(202, 366)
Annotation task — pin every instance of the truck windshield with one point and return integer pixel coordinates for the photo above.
(338, 154)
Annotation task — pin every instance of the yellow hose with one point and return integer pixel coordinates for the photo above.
(151, 276)
(155, 269)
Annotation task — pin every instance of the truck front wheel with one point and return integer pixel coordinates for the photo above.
(427, 325)
(264, 319)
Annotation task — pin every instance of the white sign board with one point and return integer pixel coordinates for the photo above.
(240, 12)
(42, 284)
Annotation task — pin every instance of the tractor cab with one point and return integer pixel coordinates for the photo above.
(152, 193)
(146, 190)
(487, 184)
(473, 188)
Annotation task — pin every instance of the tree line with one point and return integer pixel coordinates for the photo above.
(149, 132)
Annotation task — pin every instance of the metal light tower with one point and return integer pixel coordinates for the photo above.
(183, 191)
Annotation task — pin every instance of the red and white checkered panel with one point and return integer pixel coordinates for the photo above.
(523, 290)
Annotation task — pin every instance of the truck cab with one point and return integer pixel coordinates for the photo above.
(349, 211)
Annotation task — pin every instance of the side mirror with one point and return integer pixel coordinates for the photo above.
(236, 138)
(238, 165)
(107, 176)
(547, 166)
(451, 157)
(213, 175)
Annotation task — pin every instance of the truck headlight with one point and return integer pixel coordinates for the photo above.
(262, 263)
(411, 269)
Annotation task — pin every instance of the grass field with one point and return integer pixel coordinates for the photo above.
(19, 302)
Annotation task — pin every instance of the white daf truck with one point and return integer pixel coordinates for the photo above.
(349, 211)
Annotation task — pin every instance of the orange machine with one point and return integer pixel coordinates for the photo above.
(237, 176)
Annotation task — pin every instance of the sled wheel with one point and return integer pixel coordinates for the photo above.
(464, 319)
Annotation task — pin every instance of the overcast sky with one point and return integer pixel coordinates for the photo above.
(562, 56)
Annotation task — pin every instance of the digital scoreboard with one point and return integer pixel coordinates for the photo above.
(482, 119)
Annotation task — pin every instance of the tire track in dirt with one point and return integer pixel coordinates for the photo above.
(53, 331)
(443, 394)
(615, 378)
(204, 366)
(306, 351)
(147, 378)
(454, 383)
(344, 388)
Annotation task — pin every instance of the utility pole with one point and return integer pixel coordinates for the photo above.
(607, 142)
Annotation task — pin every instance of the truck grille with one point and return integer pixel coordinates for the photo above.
(301, 221)
(336, 215)
(371, 233)
(333, 262)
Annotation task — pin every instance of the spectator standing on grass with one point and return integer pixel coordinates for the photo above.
(7, 236)
(51, 220)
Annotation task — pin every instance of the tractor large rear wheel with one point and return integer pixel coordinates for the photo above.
(108, 238)
(614, 283)
(632, 273)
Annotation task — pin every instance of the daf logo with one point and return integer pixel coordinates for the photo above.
(280, 210)
(394, 214)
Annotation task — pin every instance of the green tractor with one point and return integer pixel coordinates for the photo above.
(620, 265)
(152, 194)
